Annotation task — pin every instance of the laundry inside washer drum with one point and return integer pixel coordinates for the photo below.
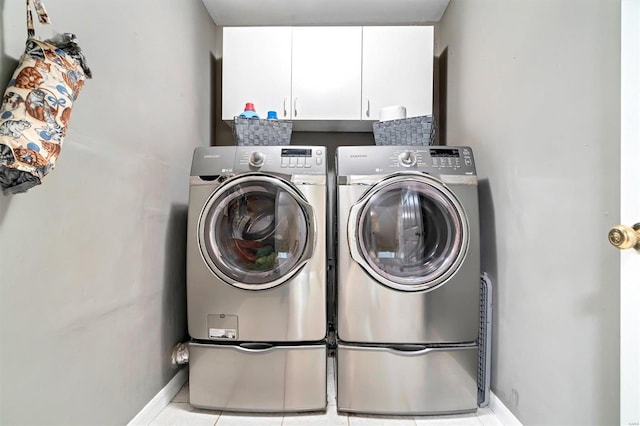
(253, 230)
(261, 233)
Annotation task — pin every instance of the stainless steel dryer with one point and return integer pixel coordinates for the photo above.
(256, 278)
(408, 282)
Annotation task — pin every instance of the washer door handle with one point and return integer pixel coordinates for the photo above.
(311, 231)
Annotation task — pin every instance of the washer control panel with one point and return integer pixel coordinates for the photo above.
(281, 159)
(286, 160)
(442, 160)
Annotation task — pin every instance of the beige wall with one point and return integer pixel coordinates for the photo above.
(92, 281)
(534, 88)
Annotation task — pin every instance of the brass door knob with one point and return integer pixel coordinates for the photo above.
(625, 237)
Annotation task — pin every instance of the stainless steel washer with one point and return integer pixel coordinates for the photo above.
(256, 278)
(408, 282)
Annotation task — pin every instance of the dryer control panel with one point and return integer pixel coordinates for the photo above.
(373, 160)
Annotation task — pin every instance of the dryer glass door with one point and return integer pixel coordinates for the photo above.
(256, 232)
(411, 232)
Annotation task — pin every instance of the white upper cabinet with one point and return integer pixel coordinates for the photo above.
(256, 68)
(397, 69)
(327, 78)
(326, 70)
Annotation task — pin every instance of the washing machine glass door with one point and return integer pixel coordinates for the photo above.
(409, 232)
(256, 231)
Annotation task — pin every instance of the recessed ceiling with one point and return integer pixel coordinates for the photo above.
(324, 12)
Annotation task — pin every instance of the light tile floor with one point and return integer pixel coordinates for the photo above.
(180, 412)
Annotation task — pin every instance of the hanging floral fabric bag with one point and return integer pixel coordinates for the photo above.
(36, 106)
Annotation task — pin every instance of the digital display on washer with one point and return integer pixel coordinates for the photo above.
(293, 152)
(451, 152)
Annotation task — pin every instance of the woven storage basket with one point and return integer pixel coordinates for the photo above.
(406, 131)
(253, 131)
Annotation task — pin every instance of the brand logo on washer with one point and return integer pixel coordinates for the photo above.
(358, 155)
(212, 156)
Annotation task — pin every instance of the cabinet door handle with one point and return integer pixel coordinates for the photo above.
(295, 107)
(284, 107)
(368, 108)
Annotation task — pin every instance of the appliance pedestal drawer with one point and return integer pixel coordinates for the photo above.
(258, 377)
(407, 380)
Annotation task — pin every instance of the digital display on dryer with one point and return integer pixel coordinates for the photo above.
(293, 152)
(444, 152)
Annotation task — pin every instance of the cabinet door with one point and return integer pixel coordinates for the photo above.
(256, 67)
(326, 72)
(397, 69)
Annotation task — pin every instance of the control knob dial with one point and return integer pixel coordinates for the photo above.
(407, 159)
(257, 159)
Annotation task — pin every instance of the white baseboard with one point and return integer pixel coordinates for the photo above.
(501, 411)
(161, 400)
